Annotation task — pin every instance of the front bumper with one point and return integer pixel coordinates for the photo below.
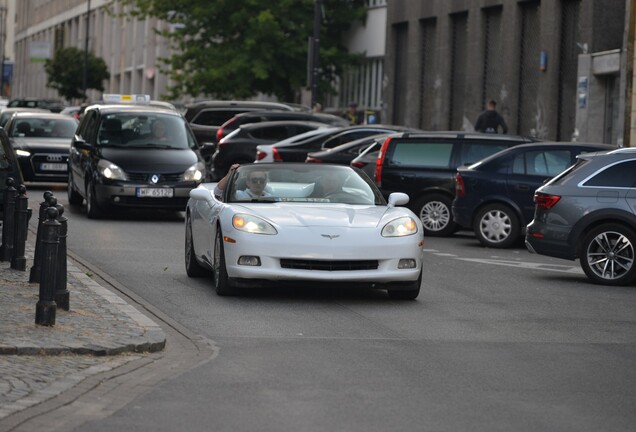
(309, 245)
(125, 195)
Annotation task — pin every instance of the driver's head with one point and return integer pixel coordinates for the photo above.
(256, 181)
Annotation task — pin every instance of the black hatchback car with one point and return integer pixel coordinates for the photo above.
(424, 165)
(494, 197)
(133, 156)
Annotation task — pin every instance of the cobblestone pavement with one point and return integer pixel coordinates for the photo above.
(100, 332)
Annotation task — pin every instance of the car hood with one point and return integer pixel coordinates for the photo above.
(150, 160)
(322, 215)
(56, 145)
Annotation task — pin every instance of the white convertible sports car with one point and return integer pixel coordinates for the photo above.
(303, 222)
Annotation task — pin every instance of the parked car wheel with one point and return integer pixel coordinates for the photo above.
(408, 294)
(193, 268)
(435, 213)
(221, 280)
(497, 226)
(93, 211)
(607, 254)
(74, 197)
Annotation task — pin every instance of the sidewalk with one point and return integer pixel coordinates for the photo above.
(100, 332)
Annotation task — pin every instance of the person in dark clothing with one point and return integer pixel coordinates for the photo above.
(490, 120)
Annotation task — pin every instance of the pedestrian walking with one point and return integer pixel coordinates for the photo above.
(490, 120)
(352, 114)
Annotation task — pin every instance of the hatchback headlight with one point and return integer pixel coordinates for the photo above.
(195, 173)
(22, 153)
(110, 171)
(404, 226)
(252, 224)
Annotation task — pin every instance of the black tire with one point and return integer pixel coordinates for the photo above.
(93, 211)
(497, 226)
(407, 293)
(74, 197)
(607, 254)
(193, 268)
(221, 280)
(435, 213)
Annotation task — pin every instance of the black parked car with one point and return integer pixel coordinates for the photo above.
(133, 156)
(355, 132)
(345, 153)
(266, 116)
(424, 165)
(589, 212)
(42, 142)
(494, 197)
(240, 145)
(295, 148)
(206, 117)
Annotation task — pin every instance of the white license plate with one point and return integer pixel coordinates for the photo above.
(53, 167)
(155, 192)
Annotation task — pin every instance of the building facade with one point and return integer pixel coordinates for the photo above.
(445, 59)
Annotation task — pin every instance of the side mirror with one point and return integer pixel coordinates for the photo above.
(398, 198)
(202, 194)
(82, 145)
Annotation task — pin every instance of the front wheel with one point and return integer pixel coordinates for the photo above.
(74, 198)
(435, 213)
(497, 226)
(93, 211)
(193, 268)
(221, 280)
(411, 291)
(607, 254)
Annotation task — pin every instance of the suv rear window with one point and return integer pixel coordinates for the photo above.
(424, 154)
(622, 174)
(215, 117)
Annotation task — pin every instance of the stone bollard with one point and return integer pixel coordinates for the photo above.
(18, 260)
(8, 220)
(46, 307)
(61, 291)
(34, 276)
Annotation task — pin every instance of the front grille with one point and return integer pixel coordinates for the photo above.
(145, 178)
(329, 265)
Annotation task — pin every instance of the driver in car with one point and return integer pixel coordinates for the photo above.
(255, 185)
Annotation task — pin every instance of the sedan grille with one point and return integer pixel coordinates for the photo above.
(145, 178)
(329, 265)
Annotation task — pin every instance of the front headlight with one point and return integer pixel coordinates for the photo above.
(110, 171)
(401, 227)
(195, 173)
(252, 224)
(22, 153)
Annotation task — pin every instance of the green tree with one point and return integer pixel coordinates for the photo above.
(238, 48)
(65, 72)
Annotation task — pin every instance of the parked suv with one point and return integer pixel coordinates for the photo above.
(133, 156)
(589, 212)
(423, 165)
(493, 197)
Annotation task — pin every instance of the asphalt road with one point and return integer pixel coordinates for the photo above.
(497, 340)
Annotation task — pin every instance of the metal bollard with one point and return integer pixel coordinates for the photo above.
(18, 260)
(46, 307)
(34, 276)
(9, 220)
(61, 291)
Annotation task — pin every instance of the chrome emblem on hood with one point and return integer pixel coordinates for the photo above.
(330, 237)
(154, 179)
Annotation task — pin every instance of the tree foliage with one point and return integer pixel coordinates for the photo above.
(65, 72)
(238, 48)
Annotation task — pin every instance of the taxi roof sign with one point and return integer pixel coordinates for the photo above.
(126, 98)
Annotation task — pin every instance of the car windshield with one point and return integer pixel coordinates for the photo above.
(302, 183)
(34, 127)
(145, 131)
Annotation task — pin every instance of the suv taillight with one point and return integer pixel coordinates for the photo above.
(312, 160)
(358, 164)
(460, 190)
(219, 134)
(260, 155)
(546, 201)
(377, 175)
(224, 129)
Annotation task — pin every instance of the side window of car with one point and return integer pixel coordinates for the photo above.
(270, 133)
(622, 174)
(213, 117)
(474, 151)
(541, 162)
(422, 154)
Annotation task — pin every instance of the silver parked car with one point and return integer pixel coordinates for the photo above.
(589, 212)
